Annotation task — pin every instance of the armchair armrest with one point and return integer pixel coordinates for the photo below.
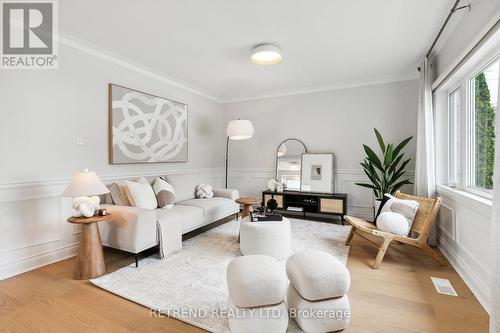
(226, 193)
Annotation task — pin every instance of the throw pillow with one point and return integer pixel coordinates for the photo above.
(393, 223)
(407, 208)
(141, 194)
(204, 191)
(165, 193)
(118, 193)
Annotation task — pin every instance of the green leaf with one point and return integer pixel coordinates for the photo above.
(372, 157)
(395, 163)
(366, 185)
(373, 179)
(388, 156)
(399, 185)
(380, 140)
(401, 145)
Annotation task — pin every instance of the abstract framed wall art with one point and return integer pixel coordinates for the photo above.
(144, 128)
(317, 172)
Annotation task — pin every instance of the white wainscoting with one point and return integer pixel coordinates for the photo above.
(252, 181)
(464, 238)
(33, 227)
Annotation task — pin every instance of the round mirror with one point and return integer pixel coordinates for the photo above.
(288, 163)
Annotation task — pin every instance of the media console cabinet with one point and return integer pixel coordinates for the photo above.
(327, 204)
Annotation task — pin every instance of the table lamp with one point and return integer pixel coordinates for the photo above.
(237, 130)
(84, 188)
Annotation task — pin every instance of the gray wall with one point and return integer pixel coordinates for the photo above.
(43, 111)
(41, 114)
(338, 121)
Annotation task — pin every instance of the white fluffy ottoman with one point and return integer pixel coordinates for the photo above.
(317, 295)
(257, 286)
(272, 238)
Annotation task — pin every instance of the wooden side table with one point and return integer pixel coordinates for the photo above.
(247, 205)
(90, 259)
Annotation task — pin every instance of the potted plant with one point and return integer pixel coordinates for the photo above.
(385, 172)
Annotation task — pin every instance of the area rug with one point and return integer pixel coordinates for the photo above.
(191, 285)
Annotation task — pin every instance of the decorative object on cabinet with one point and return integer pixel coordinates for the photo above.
(288, 163)
(144, 128)
(317, 172)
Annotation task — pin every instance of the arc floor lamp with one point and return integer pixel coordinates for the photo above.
(239, 129)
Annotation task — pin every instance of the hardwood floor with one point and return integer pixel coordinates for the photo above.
(399, 297)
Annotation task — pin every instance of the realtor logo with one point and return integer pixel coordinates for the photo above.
(28, 30)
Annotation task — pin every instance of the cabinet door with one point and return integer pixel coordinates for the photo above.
(327, 205)
(277, 197)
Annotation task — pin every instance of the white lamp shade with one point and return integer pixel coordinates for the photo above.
(240, 129)
(85, 183)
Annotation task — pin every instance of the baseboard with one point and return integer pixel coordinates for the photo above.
(478, 288)
(37, 261)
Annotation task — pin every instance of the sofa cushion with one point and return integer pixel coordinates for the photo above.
(118, 191)
(165, 193)
(184, 185)
(213, 208)
(191, 217)
(141, 194)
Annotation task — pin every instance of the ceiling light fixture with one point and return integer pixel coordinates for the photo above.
(266, 54)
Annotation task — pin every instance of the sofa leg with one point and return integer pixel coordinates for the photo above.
(136, 260)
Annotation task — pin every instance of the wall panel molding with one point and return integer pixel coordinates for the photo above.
(464, 224)
(252, 181)
(33, 227)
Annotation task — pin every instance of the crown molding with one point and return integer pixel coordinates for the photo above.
(101, 53)
(96, 51)
(323, 88)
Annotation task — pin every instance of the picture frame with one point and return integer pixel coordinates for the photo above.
(317, 172)
(145, 128)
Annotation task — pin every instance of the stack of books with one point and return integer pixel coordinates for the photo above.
(265, 217)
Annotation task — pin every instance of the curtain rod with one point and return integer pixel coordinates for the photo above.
(453, 10)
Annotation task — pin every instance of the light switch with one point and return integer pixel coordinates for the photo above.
(79, 140)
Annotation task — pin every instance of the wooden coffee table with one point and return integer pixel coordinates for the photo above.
(90, 259)
(247, 205)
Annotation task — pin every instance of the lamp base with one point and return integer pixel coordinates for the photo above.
(85, 206)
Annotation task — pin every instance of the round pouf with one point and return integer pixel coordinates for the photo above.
(318, 275)
(273, 238)
(257, 286)
(256, 280)
(317, 294)
(320, 316)
(393, 223)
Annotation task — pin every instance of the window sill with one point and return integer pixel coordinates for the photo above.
(468, 199)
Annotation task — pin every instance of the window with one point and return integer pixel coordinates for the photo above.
(472, 106)
(483, 103)
(453, 137)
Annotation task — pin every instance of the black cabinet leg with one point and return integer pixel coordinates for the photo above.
(136, 260)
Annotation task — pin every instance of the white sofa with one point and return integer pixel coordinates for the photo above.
(133, 229)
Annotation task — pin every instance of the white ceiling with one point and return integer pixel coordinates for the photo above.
(206, 44)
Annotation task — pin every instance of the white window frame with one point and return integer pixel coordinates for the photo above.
(466, 129)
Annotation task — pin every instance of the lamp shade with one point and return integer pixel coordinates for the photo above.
(240, 129)
(85, 183)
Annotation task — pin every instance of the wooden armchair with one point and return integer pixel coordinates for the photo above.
(424, 219)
